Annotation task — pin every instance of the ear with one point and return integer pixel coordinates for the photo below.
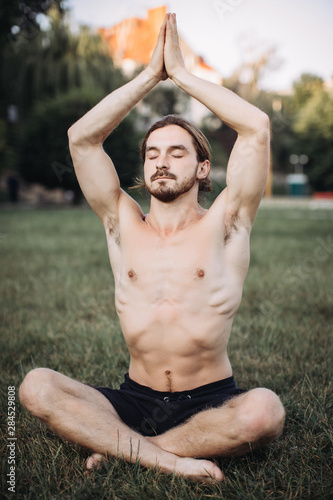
(203, 169)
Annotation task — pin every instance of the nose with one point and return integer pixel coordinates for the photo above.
(162, 162)
(162, 168)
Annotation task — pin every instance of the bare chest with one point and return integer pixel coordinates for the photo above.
(174, 270)
(146, 256)
(167, 260)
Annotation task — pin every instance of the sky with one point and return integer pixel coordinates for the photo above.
(219, 30)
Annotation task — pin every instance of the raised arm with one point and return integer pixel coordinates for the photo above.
(94, 169)
(249, 160)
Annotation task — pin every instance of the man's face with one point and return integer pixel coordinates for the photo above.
(170, 164)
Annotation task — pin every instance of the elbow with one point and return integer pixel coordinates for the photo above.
(262, 127)
(72, 134)
(78, 137)
(262, 122)
(258, 126)
(75, 138)
(264, 119)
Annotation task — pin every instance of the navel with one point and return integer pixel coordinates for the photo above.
(169, 380)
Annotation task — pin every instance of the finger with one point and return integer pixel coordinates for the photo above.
(174, 30)
(168, 29)
(163, 28)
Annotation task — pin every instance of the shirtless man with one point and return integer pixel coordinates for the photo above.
(179, 274)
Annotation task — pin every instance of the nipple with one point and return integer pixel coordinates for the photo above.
(131, 274)
(200, 273)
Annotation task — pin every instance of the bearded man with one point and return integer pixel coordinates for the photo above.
(179, 273)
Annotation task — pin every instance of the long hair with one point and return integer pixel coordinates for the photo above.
(199, 140)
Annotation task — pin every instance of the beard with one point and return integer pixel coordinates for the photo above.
(167, 194)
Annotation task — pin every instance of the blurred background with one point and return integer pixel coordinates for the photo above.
(59, 58)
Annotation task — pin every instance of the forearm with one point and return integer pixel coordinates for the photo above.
(95, 126)
(225, 104)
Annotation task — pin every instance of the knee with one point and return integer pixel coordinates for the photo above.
(36, 390)
(265, 415)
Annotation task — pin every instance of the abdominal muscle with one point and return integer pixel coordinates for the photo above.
(176, 299)
(176, 336)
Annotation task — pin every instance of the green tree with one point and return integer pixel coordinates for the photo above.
(304, 88)
(19, 26)
(315, 119)
(44, 152)
(302, 124)
(53, 79)
(19, 19)
(259, 59)
(165, 100)
(54, 61)
(314, 126)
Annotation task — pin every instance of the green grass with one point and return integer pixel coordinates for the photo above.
(57, 310)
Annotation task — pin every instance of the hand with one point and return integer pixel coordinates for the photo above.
(156, 64)
(173, 59)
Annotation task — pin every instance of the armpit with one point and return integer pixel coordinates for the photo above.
(112, 229)
(230, 225)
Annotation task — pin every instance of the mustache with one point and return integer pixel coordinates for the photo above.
(162, 173)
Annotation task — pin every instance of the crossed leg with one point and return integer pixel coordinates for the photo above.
(83, 415)
(246, 422)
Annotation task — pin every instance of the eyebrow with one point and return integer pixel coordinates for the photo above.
(170, 148)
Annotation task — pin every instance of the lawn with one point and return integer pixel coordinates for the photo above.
(57, 310)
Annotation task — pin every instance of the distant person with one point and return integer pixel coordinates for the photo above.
(179, 274)
(13, 187)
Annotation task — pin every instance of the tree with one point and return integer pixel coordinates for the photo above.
(19, 19)
(44, 152)
(304, 125)
(259, 58)
(314, 119)
(54, 61)
(304, 88)
(53, 80)
(165, 100)
(19, 25)
(314, 126)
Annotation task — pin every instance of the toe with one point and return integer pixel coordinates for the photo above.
(94, 462)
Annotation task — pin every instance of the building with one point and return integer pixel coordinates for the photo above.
(132, 41)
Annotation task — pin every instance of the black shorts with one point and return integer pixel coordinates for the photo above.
(152, 412)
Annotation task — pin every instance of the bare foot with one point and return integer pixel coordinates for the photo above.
(192, 468)
(198, 470)
(94, 462)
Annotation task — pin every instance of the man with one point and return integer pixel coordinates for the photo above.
(179, 273)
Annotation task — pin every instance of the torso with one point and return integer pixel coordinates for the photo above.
(176, 297)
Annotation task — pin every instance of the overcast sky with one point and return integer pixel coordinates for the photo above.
(301, 30)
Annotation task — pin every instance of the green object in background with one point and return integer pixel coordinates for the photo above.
(297, 184)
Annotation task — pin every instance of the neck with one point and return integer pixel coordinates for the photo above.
(169, 218)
